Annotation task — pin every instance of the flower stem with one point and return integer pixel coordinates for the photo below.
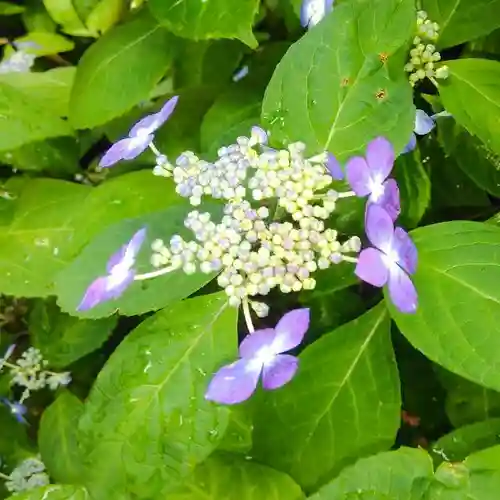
(154, 274)
(154, 149)
(434, 81)
(4, 476)
(347, 194)
(349, 259)
(248, 317)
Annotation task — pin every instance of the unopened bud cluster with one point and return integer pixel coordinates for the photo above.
(423, 55)
(29, 372)
(272, 232)
(29, 474)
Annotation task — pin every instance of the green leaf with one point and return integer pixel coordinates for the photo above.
(217, 19)
(238, 436)
(467, 402)
(414, 186)
(488, 459)
(333, 92)
(328, 406)
(131, 57)
(146, 423)
(395, 475)
(457, 323)
(33, 246)
(53, 492)
(9, 9)
(472, 156)
(472, 95)
(58, 439)
(63, 339)
(461, 442)
(63, 12)
(463, 20)
(14, 441)
(105, 15)
(225, 476)
(24, 120)
(141, 296)
(36, 18)
(46, 44)
(50, 89)
(233, 114)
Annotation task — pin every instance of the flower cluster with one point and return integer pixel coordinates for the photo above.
(20, 61)
(423, 55)
(273, 233)
(28, 372)
(29, 474)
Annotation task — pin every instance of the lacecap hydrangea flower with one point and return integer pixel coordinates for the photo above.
(391, 260)
(120, 275)
(140, 137)
(369, 176)
(313, 11)
(261, 354)
(17, 410)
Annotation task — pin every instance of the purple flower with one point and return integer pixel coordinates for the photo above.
(368, 177)
(240, 74)
(391, 260)
(333, 166)
(120, 274)
(261, 353)
(16, 409)
(423, 125)
(313, 11)
(258, 136)
(140, 137)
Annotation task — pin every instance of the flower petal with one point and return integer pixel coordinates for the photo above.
(255, 341)
(406, 250)
(279, 371)
(379, 227)
(258, 136)
(358, 176)
(423, 123)
(127, 252)
(333, 166)
(234, 383)
(372, 268)
(380, 158)
(412, 144)
(136, 146)
(151, 123)
(389, 200)
(290, 330)
(402, 291)
(115, 153)
(312, 12)
(95, 294)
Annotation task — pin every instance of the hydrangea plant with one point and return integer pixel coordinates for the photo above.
(250, 249)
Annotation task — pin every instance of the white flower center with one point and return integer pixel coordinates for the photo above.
(315, 11)
(390, 258)
(262, 357)
(120, 271)
(376, 188)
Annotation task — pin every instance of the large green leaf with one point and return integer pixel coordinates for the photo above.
(49, 89)
(58, 439)
(33, 246)
(238, 436)
(141, 296)
(147, 423)
(333, 90)
(53, 492)
(119, 71)
(395, 475)
(472, 95)
(463, 20)
(461, 442)
(228, 477)
(203, 20)
(62, 338)
(457, 323)
(343, 403)
(24, 120)
(414, 186)
(63, 12)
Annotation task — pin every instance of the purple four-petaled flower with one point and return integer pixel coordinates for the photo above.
(334, 168)
(313, 11)
(18, 410)
(423, 125)
(261, 353)
(391, 260)
(369, 176)
(140, 137)
(120, 268)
